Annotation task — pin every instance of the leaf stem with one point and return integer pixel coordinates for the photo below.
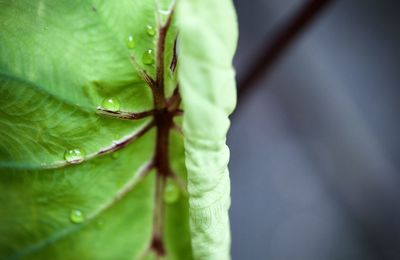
(162, 36)
(280, 42)
(163, 113)
(174, 61)
(157, 242)
(126, 115)
(175, 100)
(119, 145)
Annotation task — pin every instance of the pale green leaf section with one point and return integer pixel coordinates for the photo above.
(208, 36)
(35, 207)
(58, 61)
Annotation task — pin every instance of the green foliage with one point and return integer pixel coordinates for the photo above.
(208, 91)
(60, 61)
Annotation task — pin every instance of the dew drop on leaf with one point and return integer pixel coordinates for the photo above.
(76, 216)
(171, 193)
(74, 155)
(150, 30)
(148, 57)
(111, 104)
(131, 42)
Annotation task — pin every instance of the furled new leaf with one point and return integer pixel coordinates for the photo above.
(208, 34)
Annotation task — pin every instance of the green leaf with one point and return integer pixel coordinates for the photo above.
(58, 61)
(208, 36)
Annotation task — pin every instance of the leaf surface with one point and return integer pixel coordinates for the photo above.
(58, 61)
(208, 36)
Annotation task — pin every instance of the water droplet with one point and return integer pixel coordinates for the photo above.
(171, 193)
(150, 30)
(111, 104)
(76, 216)
(148, 57)
(74, 155)
(131, 42)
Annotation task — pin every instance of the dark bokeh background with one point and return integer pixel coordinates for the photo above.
(315, 147)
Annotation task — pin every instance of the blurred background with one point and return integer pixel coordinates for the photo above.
(315, 147)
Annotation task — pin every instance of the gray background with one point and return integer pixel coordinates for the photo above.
(315, 147)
